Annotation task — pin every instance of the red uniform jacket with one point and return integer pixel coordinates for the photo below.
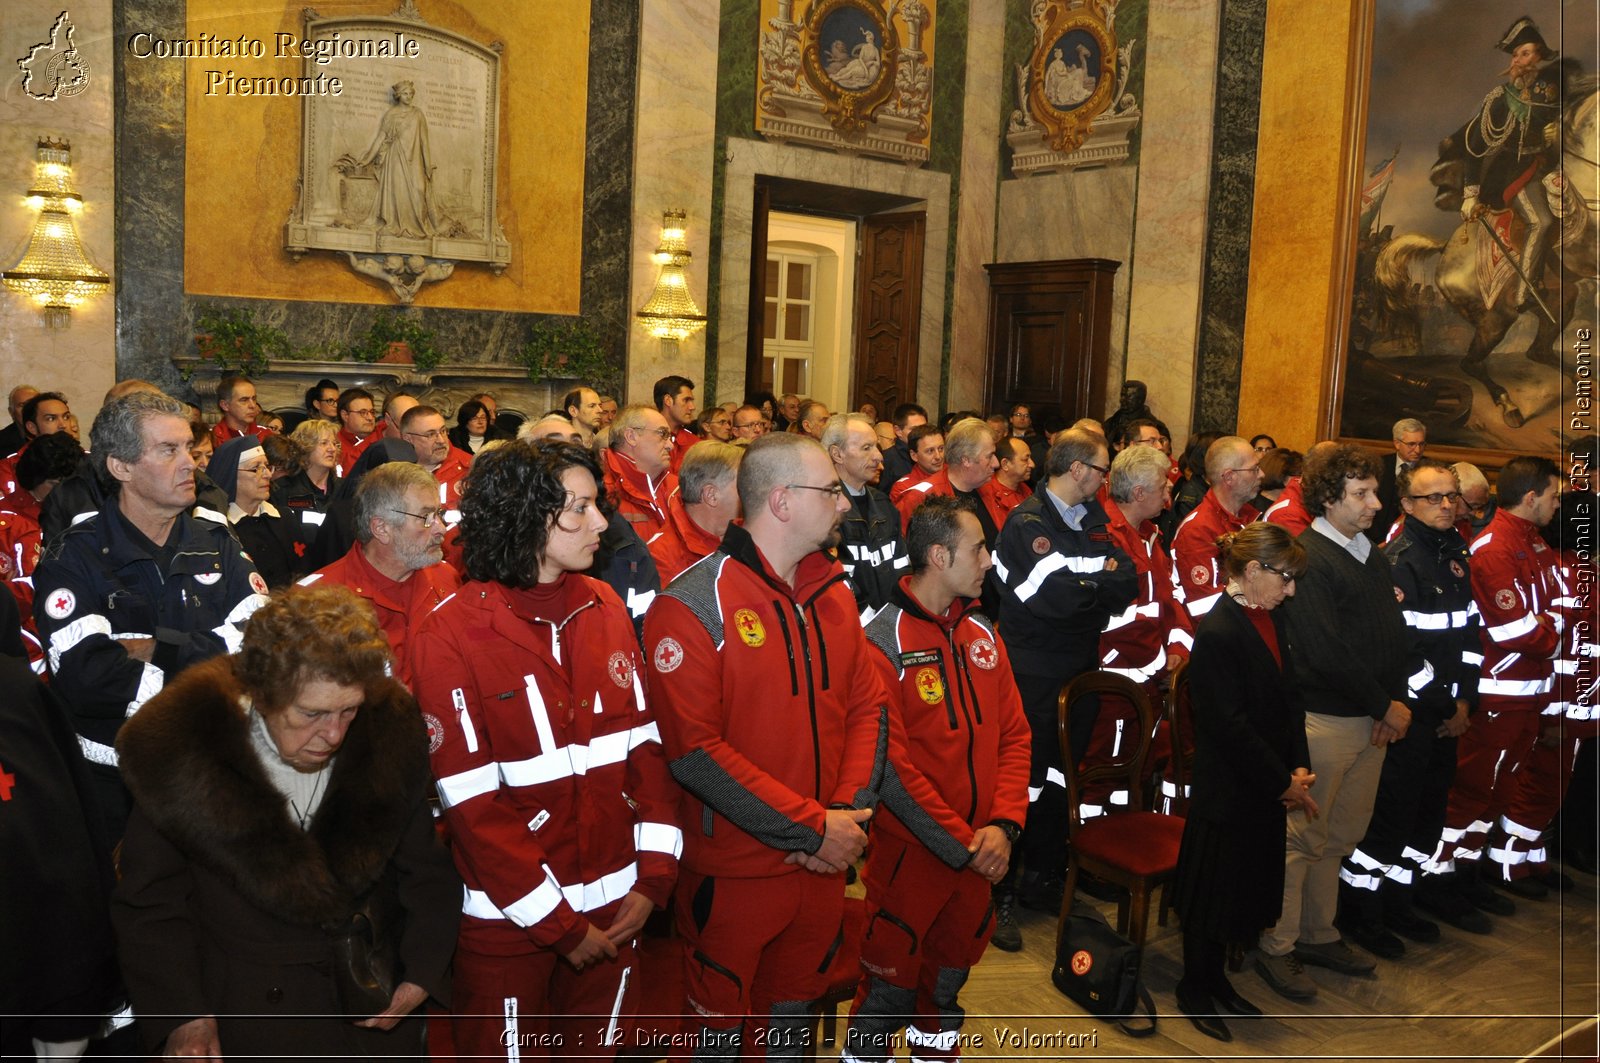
(914, 494)
(20, 542)
(642, 504)
(1196, 566)
(1136, 641)
(400, 606)
(8, 472)
(541, 737)
(682, 440)
(451, 473)
(680, 543)
(221, 433)
(351, 448)
(908, 481)
(963, 724)
(1517, 583)
(1000, 500)
(1289, 511)
(771, 710)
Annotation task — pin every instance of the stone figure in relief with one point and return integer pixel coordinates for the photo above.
(402, 161)
(1067, 86)
(861, 69)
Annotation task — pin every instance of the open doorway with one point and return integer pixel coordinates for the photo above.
(835, 289)
(808, 304)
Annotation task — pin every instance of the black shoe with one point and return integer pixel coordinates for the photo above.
(1042, 893)
(1007, 935)
(1375, 939)
(1481, 896)
(1229, 1000)
(1411, 926)
(1527, 888)
(1555, 880)
(1202, 1012)
(1448, 906)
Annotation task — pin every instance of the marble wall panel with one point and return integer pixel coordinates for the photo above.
(1226, 276)
(1084, 214)
(155, 318)
(1170, 227)
(75, 360)
(675, 140)
(975, 226)
(1298, 209)
(744, 161)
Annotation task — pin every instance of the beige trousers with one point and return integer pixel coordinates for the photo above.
(1347, 766)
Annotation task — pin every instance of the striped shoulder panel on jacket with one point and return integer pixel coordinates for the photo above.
(884, 633)
(984, 622)
(696, 587)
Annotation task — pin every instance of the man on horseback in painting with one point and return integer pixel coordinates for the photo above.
(1498, 160)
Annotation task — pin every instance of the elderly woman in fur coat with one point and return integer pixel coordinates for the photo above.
(276, 791)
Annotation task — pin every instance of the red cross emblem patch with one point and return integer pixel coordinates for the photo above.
(983, 654)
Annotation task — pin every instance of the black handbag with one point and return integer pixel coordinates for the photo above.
(366, 952)
(1098, 969)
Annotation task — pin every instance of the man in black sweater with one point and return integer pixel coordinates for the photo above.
(1350, 650)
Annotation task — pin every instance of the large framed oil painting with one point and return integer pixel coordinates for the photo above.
(1471, 279)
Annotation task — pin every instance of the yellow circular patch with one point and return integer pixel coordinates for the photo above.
(750, 629)
(930, 686)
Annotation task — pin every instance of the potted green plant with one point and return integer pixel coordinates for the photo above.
(396, 338)
(568, 348)
(234, 341)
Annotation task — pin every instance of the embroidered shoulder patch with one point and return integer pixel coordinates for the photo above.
(620, 671)
(60, 605)
(983, 654)
(668, 655)
(1505, 599)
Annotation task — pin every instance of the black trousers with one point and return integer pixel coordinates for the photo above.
(1044, 838)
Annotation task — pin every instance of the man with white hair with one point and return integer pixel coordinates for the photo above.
(697, 516)
(871, 547)
(1234, 470)
(397, 562)
(131, 595)
(1410, 438)
(638, 471)
(1475, 508)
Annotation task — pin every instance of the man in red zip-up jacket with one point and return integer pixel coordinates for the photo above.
(562, 816)
(1517, 585)
(930, 873)
(776, 725)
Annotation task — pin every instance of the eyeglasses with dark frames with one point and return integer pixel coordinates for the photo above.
(835, 489)
(428, 519)
(1287, 577)
(1437, 497)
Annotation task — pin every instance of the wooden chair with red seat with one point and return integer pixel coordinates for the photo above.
(1180, 725)
(1135, 850)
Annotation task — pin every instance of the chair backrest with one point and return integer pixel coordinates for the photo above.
(1180, 727)
(1127, 768)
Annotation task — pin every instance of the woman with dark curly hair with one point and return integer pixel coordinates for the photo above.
(548, 760)
(275, 792)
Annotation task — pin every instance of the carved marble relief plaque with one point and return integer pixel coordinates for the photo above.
(855, 76)
(398, 171)
(1073, 107)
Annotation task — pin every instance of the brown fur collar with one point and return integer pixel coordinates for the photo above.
(187, 757)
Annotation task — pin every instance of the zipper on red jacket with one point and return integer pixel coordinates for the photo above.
(782, 609)
(969, 708)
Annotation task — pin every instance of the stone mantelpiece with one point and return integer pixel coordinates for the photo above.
(282, 385)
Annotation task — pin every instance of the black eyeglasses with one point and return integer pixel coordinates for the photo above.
(428, 519)
(834, 489)
(1437, 497)
(1287, 577)
(1103, 470)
